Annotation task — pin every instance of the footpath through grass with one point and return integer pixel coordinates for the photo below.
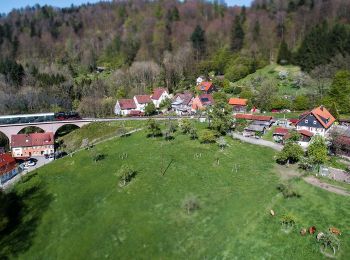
(74, 208)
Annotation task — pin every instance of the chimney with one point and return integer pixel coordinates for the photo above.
(321, 107)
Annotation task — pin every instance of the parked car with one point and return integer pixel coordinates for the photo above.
(51, 157)
(31, 163)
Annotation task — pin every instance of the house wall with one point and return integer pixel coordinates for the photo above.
(197, 104)
(117, 109)
(310, 123)
(8, 175)
(32, 151)
(140, 107)
(164, 96)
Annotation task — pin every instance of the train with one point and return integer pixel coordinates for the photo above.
(38, 118)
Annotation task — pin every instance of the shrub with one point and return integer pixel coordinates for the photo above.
(288, 221)
(329, 241)
(190, 204)
(150, 109)
(185, 126)
(126, 174)
(207, 137)
(287, 190)
(153, 128)
(193, 133)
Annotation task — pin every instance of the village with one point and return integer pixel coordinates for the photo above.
(27, 149)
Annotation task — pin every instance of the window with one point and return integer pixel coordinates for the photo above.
(315, 122)
(306, 121)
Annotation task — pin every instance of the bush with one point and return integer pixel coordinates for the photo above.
(287, 190)
(150, 109)
(153, 128)
(190, 204)
(185, 126)
(288, 221)
(207, 137)
(193, 133)
(126, 174)
(291, 153)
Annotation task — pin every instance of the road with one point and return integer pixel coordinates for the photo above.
(261, 142)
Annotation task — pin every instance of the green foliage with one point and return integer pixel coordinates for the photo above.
(96, 155)
(190, 204)
(334, 111)
(339, 92)
(153, 128)
(240, 125)
(165, 104)
(317, 151)
(329, 241)
(222, 142)
(126, 173)
(207, 136)
(291, 153)
(150, 109)
(284, 56)
(301, 102)
(220, 117)
(193, 133)
(185, 126)
(288, 221)
(237, 35)
(199, 41)
(13, 71)
(287, 190)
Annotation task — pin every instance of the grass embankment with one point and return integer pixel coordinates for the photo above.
(74, 208)
(96, 132)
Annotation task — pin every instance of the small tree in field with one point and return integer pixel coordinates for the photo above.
(291, 153)
(190, 204)
(193, 133)
(207, 137)
(125, 174)
(185, 126)
(153, 128)
(222, 143)
(317, 151)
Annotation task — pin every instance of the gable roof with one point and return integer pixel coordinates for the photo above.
(280, 131)
(127, 104)
(322, 115)
(204, 86)
(206, 99)
(306, 133)
(238, 101)
(186, 97)
(7, 163)
(253, 117)
(35, 139)
(143, 99)
(157, 93)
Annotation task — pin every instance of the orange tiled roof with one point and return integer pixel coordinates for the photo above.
(322, 115)
(238, 101)
(204, 86)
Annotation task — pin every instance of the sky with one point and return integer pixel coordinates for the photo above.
(7, 5)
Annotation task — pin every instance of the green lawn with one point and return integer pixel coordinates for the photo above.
(74, 208)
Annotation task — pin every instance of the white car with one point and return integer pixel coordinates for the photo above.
(51, 157)
(31, 163)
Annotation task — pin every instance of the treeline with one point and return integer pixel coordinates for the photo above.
(86, 57)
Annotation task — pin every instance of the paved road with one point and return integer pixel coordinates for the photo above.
(329, 187)
(252, 140)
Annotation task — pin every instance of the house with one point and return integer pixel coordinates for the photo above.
(159, 95)
(268, 121)
(36, 144)
(199, 80)
(182, 103)
(8, 168)
(141, 102)
(305, 137)
(318, 121)
(239, 104)
(124, 106)
(254, 130)
(201, 102)
(279, 133)
(206, 87)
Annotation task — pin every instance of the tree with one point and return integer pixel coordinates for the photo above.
(220, 117)
(340, 90)
(199, 41)
(153, 128)
(237, 35)
(284, 55)
(165, 104)
(222, 142)
(301, 102)
(207, 137)
(185, 126)
(126, 174)
(291, 153)
(317, 151)
(334, 110)
(193, 133)
(150, 109)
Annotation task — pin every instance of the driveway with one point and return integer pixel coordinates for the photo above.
(252, 140)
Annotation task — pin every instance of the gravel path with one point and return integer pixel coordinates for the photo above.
(262, 142)
(329, 187)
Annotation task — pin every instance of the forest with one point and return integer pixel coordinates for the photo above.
(85, 57)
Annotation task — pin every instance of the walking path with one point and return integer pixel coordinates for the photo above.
(329, 187)
(255, 141)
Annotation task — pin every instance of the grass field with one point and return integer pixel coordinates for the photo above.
(74, 208)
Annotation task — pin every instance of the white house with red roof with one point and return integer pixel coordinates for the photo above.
(317, 121)
(159, 95)
(182, 103)
(8, 168)
(36, 144)
(141, 102)
(123, 107)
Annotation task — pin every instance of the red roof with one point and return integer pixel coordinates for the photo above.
(322, 115)
(127, 104)
(143, 99)
(305, 133)
(281, 131)
(204, 86)
(294, 121)
(35, 139)
(6, 159)
(238, 101)
(157, 93)
(186, 97)
(253, 117)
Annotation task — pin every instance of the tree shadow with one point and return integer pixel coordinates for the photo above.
(24, 210)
